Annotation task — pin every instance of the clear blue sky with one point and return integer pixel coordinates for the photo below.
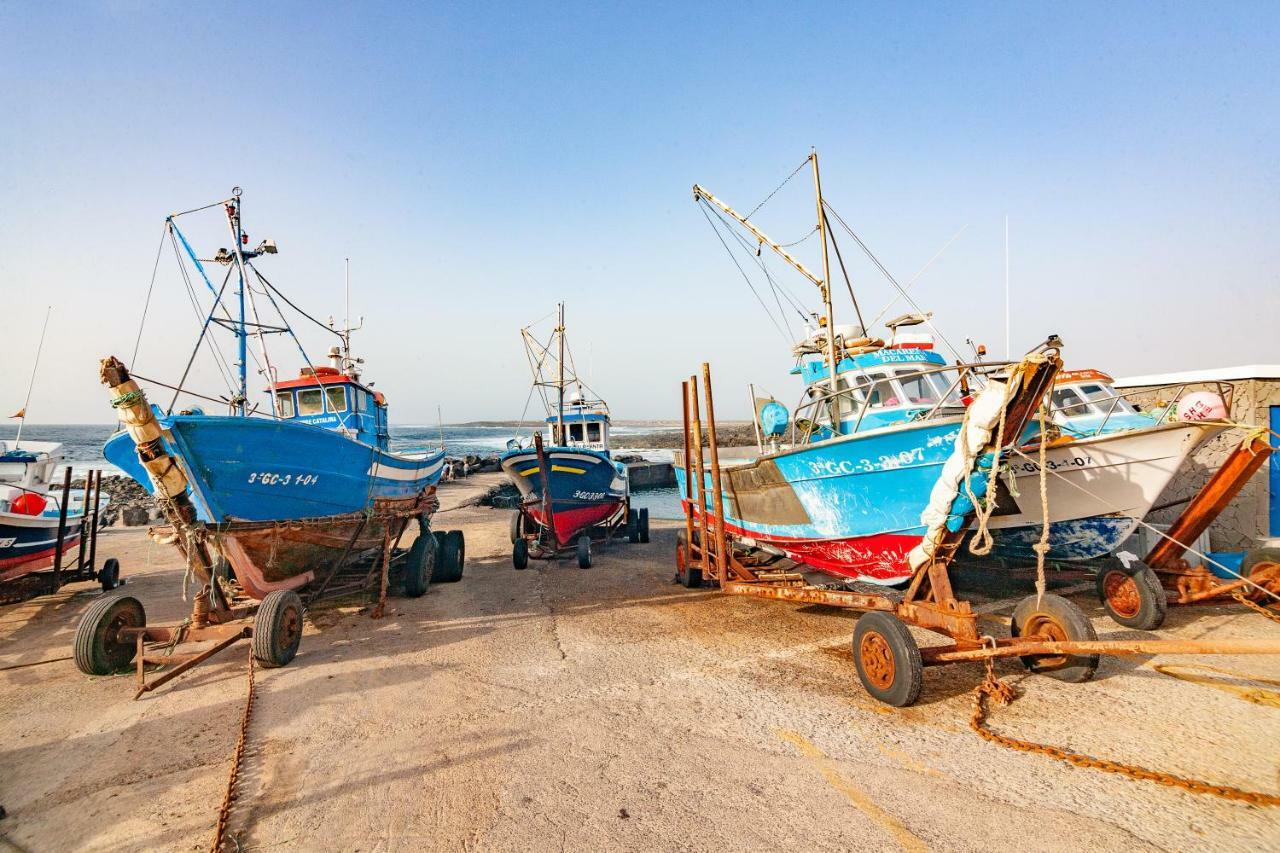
(479, 162)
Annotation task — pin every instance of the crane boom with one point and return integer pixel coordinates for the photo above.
(700, 193)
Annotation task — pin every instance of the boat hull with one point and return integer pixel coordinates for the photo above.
(848, 506)
(1098, 489)
(586, 487)
(257, 469)
(28, 543)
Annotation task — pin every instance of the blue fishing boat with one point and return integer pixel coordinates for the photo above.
(572, 486)
(275, 495)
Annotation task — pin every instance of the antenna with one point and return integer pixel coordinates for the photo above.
(440, 421)
(346, 308)
(22, 413)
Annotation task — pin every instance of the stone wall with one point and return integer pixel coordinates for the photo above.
(1246, 520)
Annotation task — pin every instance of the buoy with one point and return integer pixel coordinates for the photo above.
(1202, 406)
(28, 503)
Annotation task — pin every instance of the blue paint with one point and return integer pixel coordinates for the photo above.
(1273, 481)
(259, 469)
(1077, 539)
(602, 480)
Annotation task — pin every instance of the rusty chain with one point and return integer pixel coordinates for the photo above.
(1253, 605)
(229, 798)
(1003, 694)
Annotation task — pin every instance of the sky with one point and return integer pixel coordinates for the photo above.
(479, 162)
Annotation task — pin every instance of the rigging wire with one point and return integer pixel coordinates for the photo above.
(779, 186)
(759, 260)
(744, 275)
(290, 303)
(219, 359)
(866, 250)
(146, 305)
(919, 273)
(847, 281)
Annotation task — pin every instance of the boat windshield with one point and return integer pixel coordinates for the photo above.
(1094, 398)
(284, 404)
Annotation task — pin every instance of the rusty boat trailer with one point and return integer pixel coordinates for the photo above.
(113, 632)
(1050, 634)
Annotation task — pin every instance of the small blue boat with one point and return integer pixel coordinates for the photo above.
(571, 486)
(31, 505)
(279, 497)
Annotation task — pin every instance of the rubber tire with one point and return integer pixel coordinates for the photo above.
(689, 576)
(908, 668)
(277, 628)
(1153, 604)
(441, 567)
(109, 574)
(451, 558)
(644, 526)
(94, 655)
(517, 526)
(1256, 556)
(1071, 622)
(633, 526)
(420, 565)
(520, 555)
(584, 552)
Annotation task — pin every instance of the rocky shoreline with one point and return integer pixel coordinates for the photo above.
(727, 435)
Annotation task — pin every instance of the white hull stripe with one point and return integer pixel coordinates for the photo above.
(388, 472)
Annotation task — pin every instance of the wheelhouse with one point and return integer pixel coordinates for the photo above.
(583, 427)
(1085, 402)
(327, 398)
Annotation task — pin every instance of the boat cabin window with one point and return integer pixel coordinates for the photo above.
(1092, 399)
(919, 388)
(337, 396)
(310, 402)
(593, 432)
(575, 432)
(284, 404)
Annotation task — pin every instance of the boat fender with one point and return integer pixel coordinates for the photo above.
(28, 503)
(774, 418)
(1202, 406)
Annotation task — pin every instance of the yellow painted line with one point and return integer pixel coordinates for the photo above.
(567, 470)
(905, 838)
(527, 472)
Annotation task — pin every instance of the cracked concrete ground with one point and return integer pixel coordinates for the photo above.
(607, 709)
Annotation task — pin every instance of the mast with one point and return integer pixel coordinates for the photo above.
(560, 380)
(242, 332)
(825, 286)
(22, 413)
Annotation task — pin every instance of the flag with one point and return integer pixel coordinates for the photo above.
(21, 413)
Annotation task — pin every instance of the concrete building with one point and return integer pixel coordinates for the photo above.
(1255, 514)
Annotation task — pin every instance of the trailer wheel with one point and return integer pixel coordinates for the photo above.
(584, 552)
(99, 649)
(633, 526)
(1133, 596)
(517, 526)
(1258, 557)
(686, 573)
(277, 628)
(1055, 618)
(451, 558)
(109, 574)
(520, 555)
(420, 565)
(888, 659)
(644, 525)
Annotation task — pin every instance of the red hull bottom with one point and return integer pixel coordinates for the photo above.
(572, 521)
(16, 567)
(880, 558)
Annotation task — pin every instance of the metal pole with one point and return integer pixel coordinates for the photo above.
(755, 419)
(84, 511)
(688, 477)
(826, 292)
(22, 421)
(717, 493)
(62, 528)
(701, 490)
(548, 508)
(564, 439)
(242, 334)
(1007, 345)
(93, 531)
